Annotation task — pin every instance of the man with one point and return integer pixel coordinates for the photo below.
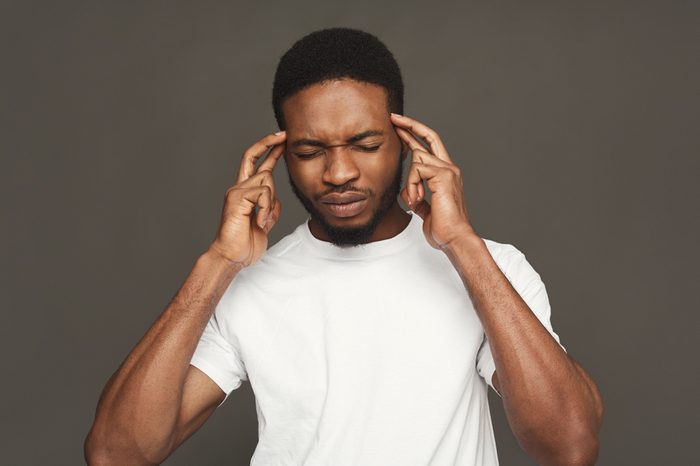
(370, 334)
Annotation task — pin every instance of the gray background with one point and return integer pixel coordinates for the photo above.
(123, 123)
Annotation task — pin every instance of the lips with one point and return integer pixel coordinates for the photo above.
(349, 209)
(345, 204)
(344, 198)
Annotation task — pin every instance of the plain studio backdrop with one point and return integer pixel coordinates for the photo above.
(123, 123)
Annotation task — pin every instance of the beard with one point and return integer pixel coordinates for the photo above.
(353, 236)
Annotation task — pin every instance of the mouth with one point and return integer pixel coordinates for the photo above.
(346, 209)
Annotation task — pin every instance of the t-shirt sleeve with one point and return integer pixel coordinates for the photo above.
(528, 283)
(219, 357)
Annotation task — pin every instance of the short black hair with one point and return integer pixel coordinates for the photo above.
(336, 53)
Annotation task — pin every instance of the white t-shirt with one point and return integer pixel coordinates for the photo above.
(371, 355)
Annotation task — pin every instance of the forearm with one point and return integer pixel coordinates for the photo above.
(548, 403)
(138, 409)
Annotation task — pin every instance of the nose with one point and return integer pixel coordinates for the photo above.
(340, 166)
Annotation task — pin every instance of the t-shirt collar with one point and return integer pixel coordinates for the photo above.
(365, 251)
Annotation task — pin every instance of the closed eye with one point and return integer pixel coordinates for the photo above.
(304, 155)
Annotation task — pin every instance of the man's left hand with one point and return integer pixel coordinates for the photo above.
(445, 219)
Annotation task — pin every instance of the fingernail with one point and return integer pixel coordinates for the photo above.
(279, 132)
(396, 114)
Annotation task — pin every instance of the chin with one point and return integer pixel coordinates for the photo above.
(351, 231)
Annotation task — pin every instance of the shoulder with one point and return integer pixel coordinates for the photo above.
(280, 260)
(262, 285)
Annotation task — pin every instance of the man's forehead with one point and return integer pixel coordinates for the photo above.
(338, 121)
(336, 110)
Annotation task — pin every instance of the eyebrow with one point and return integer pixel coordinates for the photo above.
(350, 140)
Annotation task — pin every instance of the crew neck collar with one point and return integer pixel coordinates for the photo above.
(362, 251)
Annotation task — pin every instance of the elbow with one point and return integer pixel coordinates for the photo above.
(583, 443)
(577, 447)
(107, 450)
(95, 453)
(581, 450)
(585, 453)
(95, 457)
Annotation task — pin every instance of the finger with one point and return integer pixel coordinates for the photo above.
(273, 216)
(265, 179)
(418, 172)
(259, 179)
(263, 200)
(423, 131)
(272, 158)
(422, 156)
(254, 152)
(412, 142)
(404, 196)
(407, 136)
(265, 203)
(420, 206)
(247, 199)
(415, 190)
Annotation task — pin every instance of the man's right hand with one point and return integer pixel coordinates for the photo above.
(242, 235)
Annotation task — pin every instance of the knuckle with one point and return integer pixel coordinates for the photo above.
(263, 175)
(248, 153)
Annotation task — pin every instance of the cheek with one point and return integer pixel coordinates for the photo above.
(305, 175)
(385, 165)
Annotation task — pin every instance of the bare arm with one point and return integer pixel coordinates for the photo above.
(552, 405)
(156, 399)
(141, 413)
(592, 387)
